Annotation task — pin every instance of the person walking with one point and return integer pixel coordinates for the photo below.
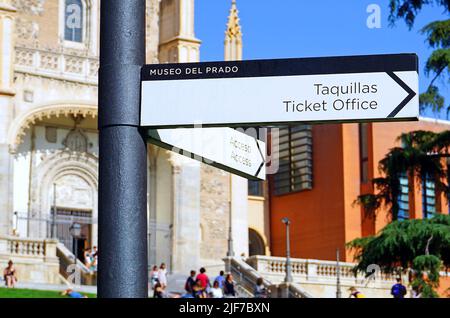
(162, 275)
(190, 283)
(204, 279)
(158, 291)
(87, 258)
(228, 286)
(216, 291)
(9, 275)
(260, 291)
(94, 258)
(154, 276)
(416, 292)
(398, 290)
(220, 279)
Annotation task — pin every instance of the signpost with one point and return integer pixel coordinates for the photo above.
(224, 148)
(122, 193)
(240, 93)
(280, 92)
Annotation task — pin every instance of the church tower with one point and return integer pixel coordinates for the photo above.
(7, 94)
(238, 185)
(233, 35)
(177, 41)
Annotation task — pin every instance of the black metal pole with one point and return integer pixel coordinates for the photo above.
(122, 268)
(54, 212)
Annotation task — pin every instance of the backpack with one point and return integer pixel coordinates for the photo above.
(398, 290)
(187, 286)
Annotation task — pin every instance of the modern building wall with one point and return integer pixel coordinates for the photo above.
(317, 215)
(325, 218)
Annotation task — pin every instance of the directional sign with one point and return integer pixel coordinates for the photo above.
(280, 92)
(224, 148)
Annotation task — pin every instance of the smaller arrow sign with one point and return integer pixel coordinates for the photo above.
(223, 148)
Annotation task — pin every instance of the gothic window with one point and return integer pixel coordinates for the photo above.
(73, 20)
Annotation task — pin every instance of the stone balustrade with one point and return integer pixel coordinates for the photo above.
(312, 270)
(319, 278)
(34, 259)
(59, 64)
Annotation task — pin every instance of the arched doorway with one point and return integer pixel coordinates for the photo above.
(55, 168)
(256, 244)
(74, 202)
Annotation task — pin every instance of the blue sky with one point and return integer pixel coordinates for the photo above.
(301, 28)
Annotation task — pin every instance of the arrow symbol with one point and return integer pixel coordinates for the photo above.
(407, 99)
(262, 157)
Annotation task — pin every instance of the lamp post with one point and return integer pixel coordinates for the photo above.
(338, 276)
(54, 213)
(288, 278)
(75, 231)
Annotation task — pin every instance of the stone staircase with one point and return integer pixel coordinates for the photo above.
(246, 276)
(75, 273)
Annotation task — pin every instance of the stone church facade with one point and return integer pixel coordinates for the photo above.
(49, 140)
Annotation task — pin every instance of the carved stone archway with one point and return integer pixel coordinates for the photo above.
(19, 126)
(55, 167)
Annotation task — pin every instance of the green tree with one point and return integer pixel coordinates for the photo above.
(438, 38)
(419, 157)
(419, 245)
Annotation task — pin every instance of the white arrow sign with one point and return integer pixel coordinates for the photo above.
(243, 93)
(224, 148)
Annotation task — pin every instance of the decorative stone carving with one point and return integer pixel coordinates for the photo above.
(74, 64)
(93, 67)
(73, 191)
(26, 29)
(24, 57)
(33, 7)
(50, 61)
(76, 140)
(20, 126)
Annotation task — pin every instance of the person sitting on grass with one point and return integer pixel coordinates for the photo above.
(72, 294)
(354, 293)
(9, 275)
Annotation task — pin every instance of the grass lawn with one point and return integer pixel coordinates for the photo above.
(32, 293)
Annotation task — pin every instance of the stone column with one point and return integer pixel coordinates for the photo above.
(151, 202)
(186, 214)
(239, 206)
(6, 103)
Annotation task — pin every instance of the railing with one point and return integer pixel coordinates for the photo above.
(246, 277)
(34, 259)
(34, 248)
(310, 270)
(81, 272)
(57, 64)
